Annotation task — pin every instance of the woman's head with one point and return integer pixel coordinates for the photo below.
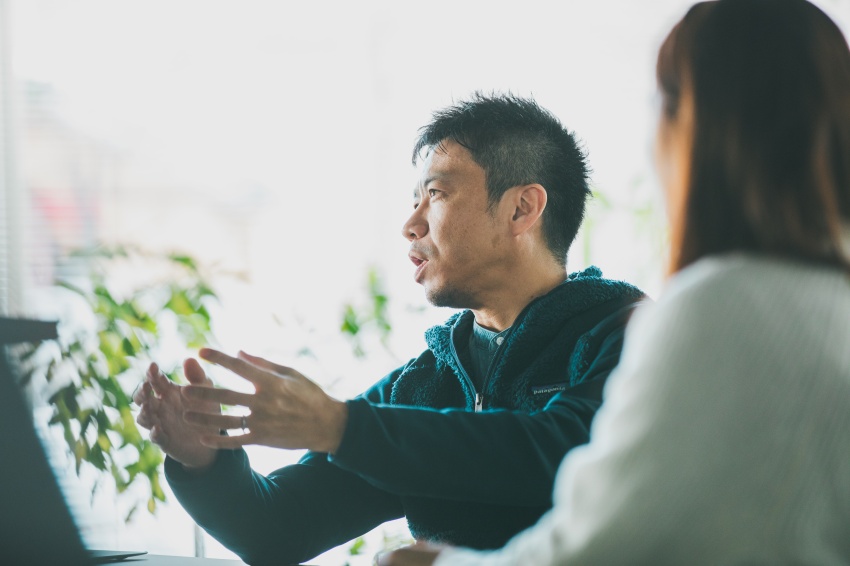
(754, 134)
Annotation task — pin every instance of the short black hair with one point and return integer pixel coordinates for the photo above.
(517, 142)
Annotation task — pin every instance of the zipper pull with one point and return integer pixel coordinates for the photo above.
(479, 402)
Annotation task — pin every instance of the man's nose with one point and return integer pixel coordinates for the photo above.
(416, 226)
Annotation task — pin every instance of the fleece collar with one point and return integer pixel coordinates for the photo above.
(579, 292)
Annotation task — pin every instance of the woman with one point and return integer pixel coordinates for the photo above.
(725, 434)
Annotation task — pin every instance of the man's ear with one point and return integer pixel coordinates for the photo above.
(528, 202)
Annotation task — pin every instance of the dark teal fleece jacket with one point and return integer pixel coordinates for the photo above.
(414, 446)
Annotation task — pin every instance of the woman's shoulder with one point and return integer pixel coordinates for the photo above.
(739, 280)
(746, 306)
(725, 272)
(707, 286)
(740, 294)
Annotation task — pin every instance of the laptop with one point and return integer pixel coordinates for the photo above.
(36, 526)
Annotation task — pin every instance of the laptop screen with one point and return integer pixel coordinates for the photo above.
(36, 526)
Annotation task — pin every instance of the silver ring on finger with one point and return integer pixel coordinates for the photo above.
(244, 422)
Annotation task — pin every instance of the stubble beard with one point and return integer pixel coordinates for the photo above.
(452, 297)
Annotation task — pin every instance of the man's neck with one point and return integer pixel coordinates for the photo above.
(503, 306)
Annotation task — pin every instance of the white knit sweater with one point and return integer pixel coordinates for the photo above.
(725, 433)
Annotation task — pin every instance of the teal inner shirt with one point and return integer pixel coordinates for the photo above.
(483, 344)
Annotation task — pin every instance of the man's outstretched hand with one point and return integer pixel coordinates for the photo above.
(162, 409)
(287, 410)
(419, 554)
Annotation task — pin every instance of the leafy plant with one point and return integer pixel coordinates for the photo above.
(362, 321)
(89, 378)
(372, 317)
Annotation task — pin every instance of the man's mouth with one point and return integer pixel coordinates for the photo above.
(420, 265)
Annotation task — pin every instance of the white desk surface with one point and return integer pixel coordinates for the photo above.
(160, 560)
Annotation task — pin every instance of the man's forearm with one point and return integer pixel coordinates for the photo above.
(504, 456)
(290, 516)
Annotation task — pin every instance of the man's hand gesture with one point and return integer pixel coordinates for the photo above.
(163, 406)
(287, 410)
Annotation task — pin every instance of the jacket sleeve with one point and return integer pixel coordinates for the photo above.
(510, 457)
(289, 516)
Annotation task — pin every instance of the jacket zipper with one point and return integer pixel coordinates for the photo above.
(496, 356)
(479, 397)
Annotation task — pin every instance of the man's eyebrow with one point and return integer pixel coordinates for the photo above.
(434, 177)
(424, 184)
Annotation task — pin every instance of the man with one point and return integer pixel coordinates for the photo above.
(463, 440)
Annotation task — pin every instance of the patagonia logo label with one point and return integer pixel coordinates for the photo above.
(543, 389)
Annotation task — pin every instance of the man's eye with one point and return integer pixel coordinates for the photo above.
(432, 192)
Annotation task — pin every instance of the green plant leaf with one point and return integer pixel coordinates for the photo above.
(350, 324)
(94, 412)
(357, 546)
(184, 260)
(156, 488)
(94, 455)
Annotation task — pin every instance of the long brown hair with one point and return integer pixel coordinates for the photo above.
(769, 155)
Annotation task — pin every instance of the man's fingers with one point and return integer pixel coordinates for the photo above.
(149, 415)
(226, 442)
(151, 403)
(220, 396)
(142, 393)
(240, 367)
(213, 420)
(145, 420)
(160, 384)
(266, 364)
(158, 436)
(402, 557)
(418, 554)
(194, 372)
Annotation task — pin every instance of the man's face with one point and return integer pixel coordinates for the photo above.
(456, 243)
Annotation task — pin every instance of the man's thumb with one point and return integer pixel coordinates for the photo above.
(194, 372)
